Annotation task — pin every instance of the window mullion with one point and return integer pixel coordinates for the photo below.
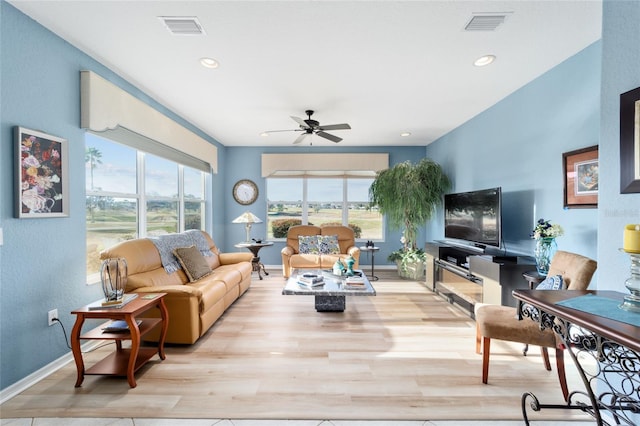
(142, 204)
(345, 203)
(305, 202)
(181, 217)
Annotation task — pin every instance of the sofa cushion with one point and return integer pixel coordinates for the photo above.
(304, 261)
(328, 244)
(211, 291)
(308, 244)
(193, 262)
(229, 275)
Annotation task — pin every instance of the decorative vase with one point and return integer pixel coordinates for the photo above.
(113, 274)
(544, 251)
(632, 301)
(350, 261)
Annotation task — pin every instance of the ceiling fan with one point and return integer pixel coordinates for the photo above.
(309, 127)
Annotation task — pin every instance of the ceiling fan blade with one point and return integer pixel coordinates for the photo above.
(300, 121)
(300, 138)
(276, 131)
(331, 137)
(343, 126)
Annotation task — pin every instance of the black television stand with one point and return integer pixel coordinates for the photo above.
(466, 276)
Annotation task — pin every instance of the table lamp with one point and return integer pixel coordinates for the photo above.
(248, 219)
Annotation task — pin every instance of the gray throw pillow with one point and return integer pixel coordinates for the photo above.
(193, 262)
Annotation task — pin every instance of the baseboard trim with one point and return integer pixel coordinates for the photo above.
(33, 378)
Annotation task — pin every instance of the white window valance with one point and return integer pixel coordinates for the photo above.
(108, 110)
(323, 165)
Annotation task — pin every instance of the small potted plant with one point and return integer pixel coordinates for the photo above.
(409, 260)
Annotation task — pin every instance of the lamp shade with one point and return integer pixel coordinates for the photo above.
(247, 217)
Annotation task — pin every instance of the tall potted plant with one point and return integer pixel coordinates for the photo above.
(407, 194)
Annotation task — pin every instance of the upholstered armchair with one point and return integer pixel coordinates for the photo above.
(501, 322)
(338, 243)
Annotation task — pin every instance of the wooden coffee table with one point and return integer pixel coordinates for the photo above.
(330, 297)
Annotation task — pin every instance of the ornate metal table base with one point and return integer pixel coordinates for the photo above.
(609, 371)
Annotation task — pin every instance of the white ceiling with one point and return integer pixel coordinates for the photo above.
(384, 67)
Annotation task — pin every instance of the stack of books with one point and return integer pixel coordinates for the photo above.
(355, 282)
(310, 280)
(113, 304)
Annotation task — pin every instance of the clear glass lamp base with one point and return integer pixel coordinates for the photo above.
(632, 301)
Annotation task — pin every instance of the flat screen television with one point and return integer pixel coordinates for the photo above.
(474, 217)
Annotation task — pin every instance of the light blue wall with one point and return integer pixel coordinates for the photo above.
(620, 73)
(245, 163)
(42, 263)
(518, 143)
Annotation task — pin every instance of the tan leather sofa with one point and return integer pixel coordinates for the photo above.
(293, 259)
(193, 306)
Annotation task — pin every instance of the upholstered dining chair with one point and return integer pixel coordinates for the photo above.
(501, 322)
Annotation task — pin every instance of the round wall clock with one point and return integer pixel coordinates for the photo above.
(245, 192)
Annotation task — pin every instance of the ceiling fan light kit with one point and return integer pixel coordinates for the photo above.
(310, 127)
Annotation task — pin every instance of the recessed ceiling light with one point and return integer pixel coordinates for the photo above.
(484, 60)
(405, 134)
(264, 134)
(209, 63)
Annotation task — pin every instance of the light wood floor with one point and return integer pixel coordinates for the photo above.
(405, 354)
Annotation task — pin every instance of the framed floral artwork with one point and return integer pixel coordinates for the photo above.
(42, 178)
(630, 141)
(580, 169)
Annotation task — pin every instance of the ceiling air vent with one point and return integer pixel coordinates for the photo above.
(182, 25)
(485, 22)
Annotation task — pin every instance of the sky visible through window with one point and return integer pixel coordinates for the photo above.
(322, 190)
(116, 171)
(116, 167)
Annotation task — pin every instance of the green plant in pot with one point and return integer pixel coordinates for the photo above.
(407, 194)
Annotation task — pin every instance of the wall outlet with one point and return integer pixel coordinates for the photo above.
(51, 315)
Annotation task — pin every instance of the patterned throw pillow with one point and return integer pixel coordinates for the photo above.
(308, 244)
(329, 244)
(193, 262)
(551, 283)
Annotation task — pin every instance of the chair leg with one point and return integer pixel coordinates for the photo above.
(486, 345)
(545, 358)
(477, 338)
(561, 373)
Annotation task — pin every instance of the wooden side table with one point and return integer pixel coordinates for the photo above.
(123, 362)
(255, 248)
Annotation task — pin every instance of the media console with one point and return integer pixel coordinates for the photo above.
(466, 277)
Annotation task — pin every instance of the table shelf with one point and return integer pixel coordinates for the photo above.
(97, 333)
(117, 363)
